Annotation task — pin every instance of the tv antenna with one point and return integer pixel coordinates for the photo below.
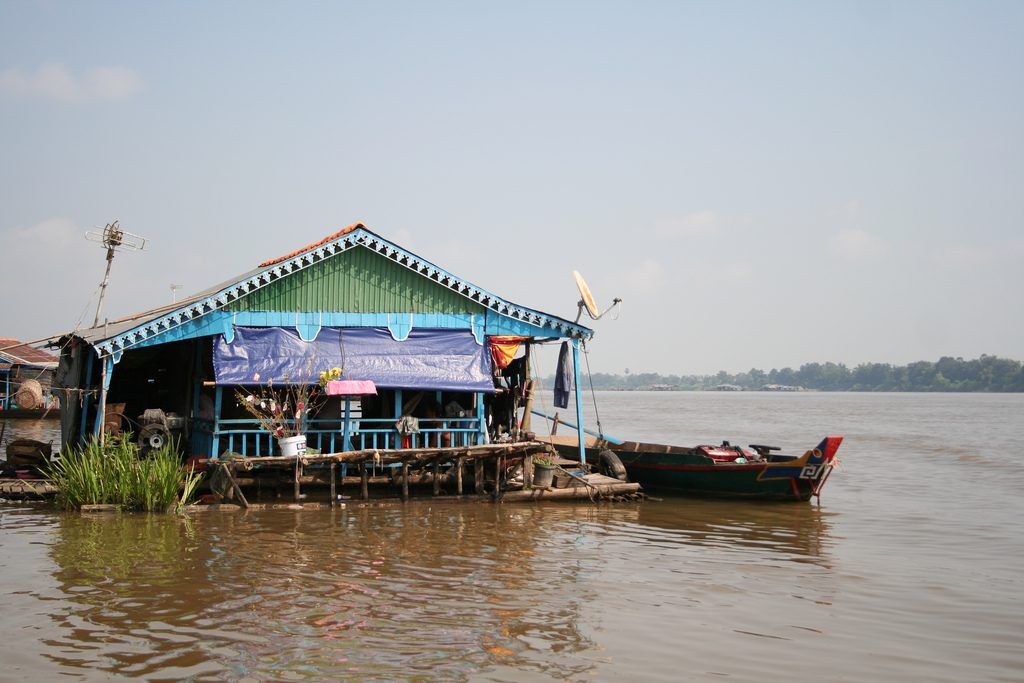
(174, 293)
(588, 302)
(114, 239)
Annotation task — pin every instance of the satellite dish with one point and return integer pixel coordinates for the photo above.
(587, 300)
(585, 296)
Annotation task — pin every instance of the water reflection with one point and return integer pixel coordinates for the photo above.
(441, 591)
(801, 531)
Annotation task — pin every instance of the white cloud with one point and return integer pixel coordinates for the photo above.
(739, 271)
(645, 277)
(856, 245)
(113, 82)
(52, 234)
(968, 256)
(691, 225)
(56, 83)
(60, 276)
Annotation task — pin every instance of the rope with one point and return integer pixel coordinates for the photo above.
(593, 394)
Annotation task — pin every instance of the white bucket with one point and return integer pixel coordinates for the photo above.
(293, 445)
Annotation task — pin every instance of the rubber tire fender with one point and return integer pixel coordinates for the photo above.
(608, 464)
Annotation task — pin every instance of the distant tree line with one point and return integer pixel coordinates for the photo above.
(986, 373)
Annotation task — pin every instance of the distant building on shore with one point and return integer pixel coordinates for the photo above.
(781, 387)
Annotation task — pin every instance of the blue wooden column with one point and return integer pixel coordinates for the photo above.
(197, 388)
(347, 439)
(218, 401)
(579, 400)
(398, 416)
(482, 419)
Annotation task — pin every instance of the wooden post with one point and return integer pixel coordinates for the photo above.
(234, 485)
(478, 476)
(298, 473)
(405, 481)
(498, 462)
(528, 471)
(459, 462)
(364, 481)
(579, 399)
(334, 483)
(526, 424)
(437, 477)
(101, 411)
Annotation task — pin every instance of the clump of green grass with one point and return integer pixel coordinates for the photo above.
(113, 473)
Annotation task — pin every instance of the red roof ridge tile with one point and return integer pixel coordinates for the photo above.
(314, 245)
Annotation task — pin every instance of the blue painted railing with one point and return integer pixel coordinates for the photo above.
(245, 436)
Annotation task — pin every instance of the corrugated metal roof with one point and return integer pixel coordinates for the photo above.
(124, 332)
(357, 280)
(19, 353)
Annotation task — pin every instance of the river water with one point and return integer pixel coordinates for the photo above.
(908, 570)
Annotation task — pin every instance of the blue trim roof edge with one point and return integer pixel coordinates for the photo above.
(530, 322)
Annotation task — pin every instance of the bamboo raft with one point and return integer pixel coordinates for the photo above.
(26, 489)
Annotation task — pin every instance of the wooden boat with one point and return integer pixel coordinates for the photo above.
(30, 414)
(722, 470)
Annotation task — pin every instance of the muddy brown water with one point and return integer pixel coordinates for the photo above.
(908, 570)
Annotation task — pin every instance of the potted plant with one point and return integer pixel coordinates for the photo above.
(543, 472)
(284, 411)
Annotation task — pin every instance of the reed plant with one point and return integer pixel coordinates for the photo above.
(113, 473)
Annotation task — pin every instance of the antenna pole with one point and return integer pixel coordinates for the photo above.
(103, 286)
(113, 238)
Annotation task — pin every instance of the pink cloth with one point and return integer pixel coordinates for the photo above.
(351, 387)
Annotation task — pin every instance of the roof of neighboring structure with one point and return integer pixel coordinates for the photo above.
(117, 335)
(14, 352)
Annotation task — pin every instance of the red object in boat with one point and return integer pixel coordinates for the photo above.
(726, 453)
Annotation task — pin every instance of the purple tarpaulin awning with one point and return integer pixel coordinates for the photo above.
(440, 360)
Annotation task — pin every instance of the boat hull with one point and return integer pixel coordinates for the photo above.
(686, 471)
(30, 414)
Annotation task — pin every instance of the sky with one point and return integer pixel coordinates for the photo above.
(763, 184)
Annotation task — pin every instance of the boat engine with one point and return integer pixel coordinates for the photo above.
(157, 428)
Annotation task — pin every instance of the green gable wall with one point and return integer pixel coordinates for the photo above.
(357, 280)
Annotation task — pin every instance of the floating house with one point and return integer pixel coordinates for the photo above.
(451, 355)
(26, 375)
